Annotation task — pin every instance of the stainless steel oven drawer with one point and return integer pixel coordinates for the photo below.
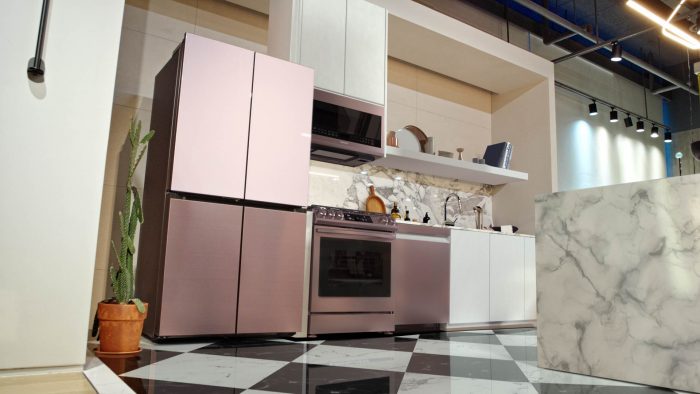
(335, 323)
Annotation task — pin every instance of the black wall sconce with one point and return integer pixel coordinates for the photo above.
(36, 67)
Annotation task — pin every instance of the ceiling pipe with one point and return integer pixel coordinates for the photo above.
(583, 33)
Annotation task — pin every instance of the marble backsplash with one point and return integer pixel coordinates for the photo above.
(348, 187)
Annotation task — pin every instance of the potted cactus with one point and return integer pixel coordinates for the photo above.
(121, 317)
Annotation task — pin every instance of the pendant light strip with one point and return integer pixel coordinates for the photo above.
(609, 105)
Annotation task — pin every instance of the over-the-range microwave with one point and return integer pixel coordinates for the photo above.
(345, 130)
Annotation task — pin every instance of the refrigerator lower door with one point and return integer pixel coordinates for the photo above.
(200, 276)
(272, 271)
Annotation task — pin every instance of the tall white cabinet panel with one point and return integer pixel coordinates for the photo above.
(322, 45)
(280, 132)
(469, 277)
(365, 52)
(507, 290)
(530, 280)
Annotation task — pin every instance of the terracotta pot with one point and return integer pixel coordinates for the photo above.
(120, 327)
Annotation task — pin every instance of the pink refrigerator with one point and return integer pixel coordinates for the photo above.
(222, 246)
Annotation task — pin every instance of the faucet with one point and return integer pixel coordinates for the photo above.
(459, 205)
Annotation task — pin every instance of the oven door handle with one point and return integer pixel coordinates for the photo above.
(363, 234)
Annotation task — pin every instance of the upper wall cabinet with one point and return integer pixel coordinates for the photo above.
(323, 42)
(365, 51)
(344, 41)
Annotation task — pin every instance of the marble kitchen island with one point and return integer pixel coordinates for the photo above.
(618, 282)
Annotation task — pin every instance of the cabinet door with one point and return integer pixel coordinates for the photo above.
(200, 278)
(469, 277)
(507, 278)
(421, 279)
(212, 120)
(272, 271)
(530, 280)
(323, 42)
(365, 52)
(280, 132)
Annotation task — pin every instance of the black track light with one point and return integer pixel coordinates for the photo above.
(592, 109)
(613, 116)
(667, 137)
(654, 131)
(616, 52)
(628, 121)
(640, 126)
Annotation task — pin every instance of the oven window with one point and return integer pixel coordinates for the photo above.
(354, 268)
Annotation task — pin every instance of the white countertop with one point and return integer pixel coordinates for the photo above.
(464, 229)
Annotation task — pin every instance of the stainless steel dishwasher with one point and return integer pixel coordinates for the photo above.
(421, 262)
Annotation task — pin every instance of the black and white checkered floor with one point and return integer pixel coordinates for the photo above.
(483, 362)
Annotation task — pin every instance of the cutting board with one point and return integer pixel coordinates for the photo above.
(374, 202)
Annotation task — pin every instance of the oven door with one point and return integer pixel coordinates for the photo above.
(351, 270)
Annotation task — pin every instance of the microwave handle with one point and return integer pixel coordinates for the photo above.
(363, 234)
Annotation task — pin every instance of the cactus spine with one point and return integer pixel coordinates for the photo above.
(122, 277)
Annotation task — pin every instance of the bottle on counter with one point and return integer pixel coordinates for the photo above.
(395, 212)
(426, 218)
(407, 218)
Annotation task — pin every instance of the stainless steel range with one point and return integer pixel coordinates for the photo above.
(351, 272)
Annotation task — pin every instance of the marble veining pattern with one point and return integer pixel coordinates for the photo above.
(465, 349)
(348, 187)
(209, 369)
(340, 356)
(618, 282)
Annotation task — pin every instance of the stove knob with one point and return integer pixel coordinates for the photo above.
(335, 214)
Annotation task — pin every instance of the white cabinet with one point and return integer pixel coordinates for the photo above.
(530, 280)
(507, 277)
(469, 277)
(344, 41)
(365, 51)
(323, 42)
(492, 278)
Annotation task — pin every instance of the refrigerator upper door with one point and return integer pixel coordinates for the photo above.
(280, 132)
(200, 277)
(212, 119)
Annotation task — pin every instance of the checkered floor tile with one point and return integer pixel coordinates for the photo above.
(483, 362)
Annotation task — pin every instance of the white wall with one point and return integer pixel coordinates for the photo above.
(525, 119)
(54, 140)
(592, 151)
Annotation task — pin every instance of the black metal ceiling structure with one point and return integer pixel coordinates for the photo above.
(653, 61)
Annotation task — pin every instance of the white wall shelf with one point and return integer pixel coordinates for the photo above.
(423, 163)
